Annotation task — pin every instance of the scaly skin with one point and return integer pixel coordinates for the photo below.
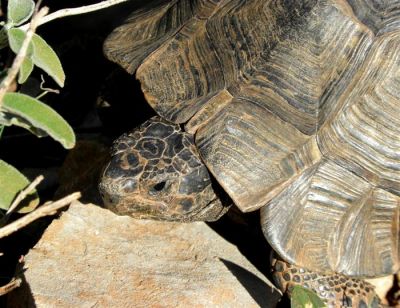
(155, 172)
(334, 289)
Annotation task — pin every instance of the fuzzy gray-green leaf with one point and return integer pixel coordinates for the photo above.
(25, 70)
(39, 116)
(16, 38)
(41, 53)
(45, 58)
(19, 11)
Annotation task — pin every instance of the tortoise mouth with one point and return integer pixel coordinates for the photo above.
(135, 206)
(211, 212)
(138, 207)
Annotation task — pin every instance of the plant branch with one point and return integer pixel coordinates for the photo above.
(44, 210)
(21, 196)
(24, 193)
(13, 284)
(76, 11)
(19, 59)
(46, 90)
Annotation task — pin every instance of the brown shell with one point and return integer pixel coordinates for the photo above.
(295, 105)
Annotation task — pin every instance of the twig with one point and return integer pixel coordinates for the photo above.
(76, 11)
(13, 284)
(45, 90)
(19, 59)
(44, 210)
(24, 193)
(39, 19)
(21, 196)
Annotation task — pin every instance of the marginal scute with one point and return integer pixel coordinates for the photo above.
(208, 111)
(364, 136)
(152, 27)
(380, 16)
(250, 169)
(351, 229)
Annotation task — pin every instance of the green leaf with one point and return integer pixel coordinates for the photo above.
(15, 39)
(305, 298)
(8, 119)
(39, 116)
(11, 183)
(42, 54)
(19, 11)
(25, 70)
(45, 58)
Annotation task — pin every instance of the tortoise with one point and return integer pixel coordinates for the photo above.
(291, 107)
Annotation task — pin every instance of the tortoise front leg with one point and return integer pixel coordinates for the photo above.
(335, 290)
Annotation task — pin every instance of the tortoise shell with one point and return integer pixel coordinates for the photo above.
(295, 108)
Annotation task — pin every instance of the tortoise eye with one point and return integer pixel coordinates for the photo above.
(159, 186)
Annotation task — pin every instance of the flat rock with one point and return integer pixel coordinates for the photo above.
(90, 257)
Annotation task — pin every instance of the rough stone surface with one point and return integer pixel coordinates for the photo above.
(92, 258)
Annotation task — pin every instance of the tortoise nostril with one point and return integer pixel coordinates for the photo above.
(113, 199)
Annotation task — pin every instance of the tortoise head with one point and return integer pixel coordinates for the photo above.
(155, 172)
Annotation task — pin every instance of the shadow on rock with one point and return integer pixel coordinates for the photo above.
(22, 296)
(260, 291)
